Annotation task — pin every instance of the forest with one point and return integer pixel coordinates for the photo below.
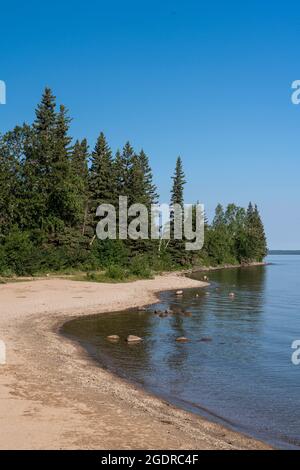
(51, 186)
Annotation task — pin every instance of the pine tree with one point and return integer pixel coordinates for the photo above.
(123, 171)
(37, 164)
(150, 188)
(177, 246)
(102, 180)
(80, 175)
(178, 184)
(64, 203)
(261, 250)
(79, 161)
(44, 127)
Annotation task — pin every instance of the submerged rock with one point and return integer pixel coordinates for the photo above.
(206, 339)
(163, 314)
(113, 338)
(187, 314)
(182, 339)
(133, 339)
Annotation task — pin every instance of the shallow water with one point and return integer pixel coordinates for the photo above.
(241, 374)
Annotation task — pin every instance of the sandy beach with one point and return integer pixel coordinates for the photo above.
(53, 396)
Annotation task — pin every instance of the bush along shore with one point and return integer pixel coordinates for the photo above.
(52, 185)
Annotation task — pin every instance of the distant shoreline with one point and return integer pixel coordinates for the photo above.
(284, 252)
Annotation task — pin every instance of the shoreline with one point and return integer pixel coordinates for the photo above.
(54, 397)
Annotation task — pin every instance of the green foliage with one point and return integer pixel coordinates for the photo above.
(140, 267)
(50, 190)
(116, 273)
(18, 253)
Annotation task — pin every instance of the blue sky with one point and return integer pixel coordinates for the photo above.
(210, 81)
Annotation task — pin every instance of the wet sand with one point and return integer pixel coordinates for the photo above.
(53, 396)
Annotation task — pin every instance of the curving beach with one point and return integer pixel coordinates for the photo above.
(53, 396)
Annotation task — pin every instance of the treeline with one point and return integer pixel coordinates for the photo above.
(50, 189)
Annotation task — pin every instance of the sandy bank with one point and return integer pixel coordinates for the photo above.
(53, 397)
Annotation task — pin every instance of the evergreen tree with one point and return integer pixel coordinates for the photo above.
(63, 200)
(261, 244)
(12, 154)
(80, 175)
(123, 171)
(177, 246)
(150, 188)
(102, 179)
(79, 161)
(178, 184)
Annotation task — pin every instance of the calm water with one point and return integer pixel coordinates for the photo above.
(243, 376)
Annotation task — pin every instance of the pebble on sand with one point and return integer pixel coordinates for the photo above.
(113, 338)
(133, 339)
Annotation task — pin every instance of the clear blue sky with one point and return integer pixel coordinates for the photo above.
(207, 80)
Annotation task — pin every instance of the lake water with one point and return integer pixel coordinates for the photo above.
(236, 367)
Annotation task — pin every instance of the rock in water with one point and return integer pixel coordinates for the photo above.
(133, 339)
(181, 339)
(232, 295)
(206, 339)
(179, 292)
(113, 338)
(188, 314)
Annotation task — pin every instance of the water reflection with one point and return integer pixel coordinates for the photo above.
(237, 361)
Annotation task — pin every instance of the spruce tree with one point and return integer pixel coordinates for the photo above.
(178, 178)
(177, 246)
(261, 241)
(123, 171)
(63, 199)
(79, 161)
(80, 175)
(102, 180)
(150, 188)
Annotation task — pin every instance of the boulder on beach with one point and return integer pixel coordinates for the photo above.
(133, 339)
(181, 339)
(113, 337)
